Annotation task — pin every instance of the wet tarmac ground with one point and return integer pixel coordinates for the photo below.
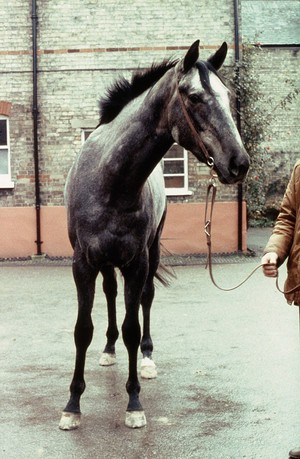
(228, 382)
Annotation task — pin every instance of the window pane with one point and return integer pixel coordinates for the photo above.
(173, 167)
(3, 132)
(86, 134)
(176, 151)
(3, 161)
(174, 182)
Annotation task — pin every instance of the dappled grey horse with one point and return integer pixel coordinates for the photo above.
(116, 202)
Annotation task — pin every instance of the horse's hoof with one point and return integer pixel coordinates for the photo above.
(107, 359)
(135, 419)
(148, 368)
(69, 421)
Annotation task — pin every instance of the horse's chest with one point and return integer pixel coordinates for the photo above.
(116, 237)
(132, 227)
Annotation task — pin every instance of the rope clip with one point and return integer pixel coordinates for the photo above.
(213, 175)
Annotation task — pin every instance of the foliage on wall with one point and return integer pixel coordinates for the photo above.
(257, 110)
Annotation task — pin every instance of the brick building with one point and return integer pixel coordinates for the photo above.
(82, 46)
(275, 25)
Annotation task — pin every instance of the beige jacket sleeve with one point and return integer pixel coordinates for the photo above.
(282, 237)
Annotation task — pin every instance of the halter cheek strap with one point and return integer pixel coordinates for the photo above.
(209, 159)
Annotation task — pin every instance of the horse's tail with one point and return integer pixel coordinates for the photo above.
(165, 274)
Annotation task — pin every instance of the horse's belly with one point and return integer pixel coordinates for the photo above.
(157, 190)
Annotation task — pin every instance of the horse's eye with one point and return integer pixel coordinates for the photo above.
(195, 98)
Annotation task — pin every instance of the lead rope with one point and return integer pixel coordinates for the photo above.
(292, 290)
(209, 207)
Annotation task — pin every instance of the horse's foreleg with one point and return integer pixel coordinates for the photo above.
(108, 357)
(148, 367)
(134, 282)
(85, 279)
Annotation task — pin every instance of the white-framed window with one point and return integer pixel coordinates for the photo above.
(175, 168)
(5, 171)
(85, 134)
(176, 171)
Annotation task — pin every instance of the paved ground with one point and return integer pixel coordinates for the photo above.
(228, 383)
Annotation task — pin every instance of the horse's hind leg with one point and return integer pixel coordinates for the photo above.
(85, 278)
(148, 367)
(108, 357)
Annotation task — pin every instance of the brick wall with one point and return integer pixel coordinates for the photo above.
(271, 21)
(16, 87)
(276, 22)
(278, 73)
(82, 46)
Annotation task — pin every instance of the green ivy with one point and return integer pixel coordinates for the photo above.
(254, 122)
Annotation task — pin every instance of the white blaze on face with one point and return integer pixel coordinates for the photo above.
(222, 95)
(220, 91)
(195, 82)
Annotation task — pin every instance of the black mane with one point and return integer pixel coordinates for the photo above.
(123, 91)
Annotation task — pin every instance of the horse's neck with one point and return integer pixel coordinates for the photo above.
(142, 139)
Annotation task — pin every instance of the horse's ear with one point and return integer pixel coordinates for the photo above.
(191, 56)
(217, 59)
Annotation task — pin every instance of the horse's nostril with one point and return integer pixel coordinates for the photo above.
(234, 168)
(235, 171)
(238, 169)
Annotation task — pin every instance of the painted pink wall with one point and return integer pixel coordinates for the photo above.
(183, 232)
(184, 228)
(17, 231)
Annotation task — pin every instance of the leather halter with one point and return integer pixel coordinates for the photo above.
(209, 159)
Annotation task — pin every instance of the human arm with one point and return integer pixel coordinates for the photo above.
(280, 243)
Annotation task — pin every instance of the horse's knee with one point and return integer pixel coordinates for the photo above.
(131, 332)
(148, 294)
(83, 334)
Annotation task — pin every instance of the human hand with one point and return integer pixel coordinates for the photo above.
(269, 262)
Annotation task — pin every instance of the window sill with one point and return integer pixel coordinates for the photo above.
(6, 184)
(177, 192)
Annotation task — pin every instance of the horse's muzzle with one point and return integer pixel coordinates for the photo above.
(235, 172)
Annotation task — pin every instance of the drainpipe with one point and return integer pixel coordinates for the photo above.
(35, 114)
(238, 119)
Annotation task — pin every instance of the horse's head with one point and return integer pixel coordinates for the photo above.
(200, 117)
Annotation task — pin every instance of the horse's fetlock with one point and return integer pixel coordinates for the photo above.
(77, 388)
(133, 388)
(112, 335)
(147, 347)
